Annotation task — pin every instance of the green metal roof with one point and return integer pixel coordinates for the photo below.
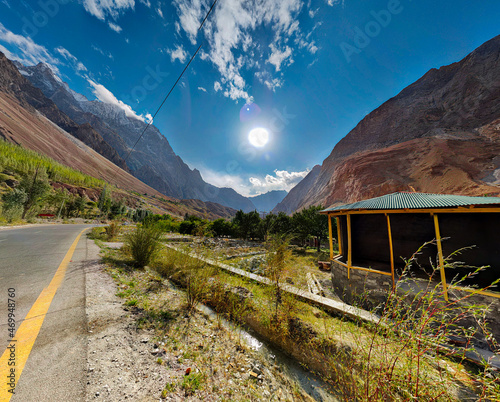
(415, 201)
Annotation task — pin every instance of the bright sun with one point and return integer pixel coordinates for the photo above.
(258, 137)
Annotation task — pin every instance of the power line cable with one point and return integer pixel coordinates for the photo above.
(173, 86)
(164, 100)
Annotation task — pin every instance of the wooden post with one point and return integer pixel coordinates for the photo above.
(440, 254)
(330, 235)
(339, 240)
(391, 249)
(349, 245)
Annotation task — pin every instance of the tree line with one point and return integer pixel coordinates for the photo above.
(301, 226)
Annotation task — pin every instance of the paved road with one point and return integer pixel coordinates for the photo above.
(29, 259)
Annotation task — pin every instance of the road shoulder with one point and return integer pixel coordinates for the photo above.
(119, 362)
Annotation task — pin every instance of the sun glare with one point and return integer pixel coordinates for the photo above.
(258, 137)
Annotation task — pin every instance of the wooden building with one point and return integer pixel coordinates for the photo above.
(377, 236)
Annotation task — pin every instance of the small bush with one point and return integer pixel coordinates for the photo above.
(144, 244)
(97, 233)
(192, 382)
(112, 231)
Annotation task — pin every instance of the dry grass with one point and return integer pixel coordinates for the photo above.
(362, 362)
(219, 364)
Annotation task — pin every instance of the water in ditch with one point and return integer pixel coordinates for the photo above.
(309, 382)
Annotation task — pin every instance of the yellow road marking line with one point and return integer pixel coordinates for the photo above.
(30, 327)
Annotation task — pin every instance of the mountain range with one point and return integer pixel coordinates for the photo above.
(152, 160)
(30, 119)
(266, 202)
(441, 134)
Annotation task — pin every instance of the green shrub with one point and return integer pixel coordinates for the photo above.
(97, 233)
(143, 243)
(25, 161)
(112, 230)
(192, 382)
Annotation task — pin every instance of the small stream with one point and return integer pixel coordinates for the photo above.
(309, 382)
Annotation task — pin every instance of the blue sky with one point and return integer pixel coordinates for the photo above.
(308, 71)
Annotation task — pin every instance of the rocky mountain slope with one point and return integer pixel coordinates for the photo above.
(266, 202)
(440, 134)
(30, 119)
(32, 97)
(153, 160)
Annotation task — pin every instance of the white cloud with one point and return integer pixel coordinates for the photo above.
(230, 31)
(331, 3)
(99, 50)
(202, 89)
(115, 27)
(78, 65)
(26, 51)
(273, 84)
(281, 180)
(81, 67)
(106, 96)
(104, 8)
(221, 179)
(177, 54)
(312, 13)
(217, 86)
(160, 13)
(66, 54)
(147, 3)
(277, 57)
(312, 48)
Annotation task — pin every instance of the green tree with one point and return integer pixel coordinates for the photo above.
(80, 204)
(247, 224)
(309, 222)
(187, 227)
(221, 227)
(282, 224)
(36, 189)
(117, 209)
(278, 257)
(104, 202)
(13, 202)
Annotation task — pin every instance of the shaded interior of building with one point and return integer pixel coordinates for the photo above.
(469, 240)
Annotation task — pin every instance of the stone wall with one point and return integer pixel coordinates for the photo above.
(364, 289)
(370, 291)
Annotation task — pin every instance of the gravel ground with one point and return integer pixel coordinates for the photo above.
(127, 361)
(120, 365)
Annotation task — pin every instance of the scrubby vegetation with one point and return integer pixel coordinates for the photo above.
(143, 244)
(400, 357)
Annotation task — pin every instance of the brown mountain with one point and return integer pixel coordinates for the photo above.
(28, 95)
(440, 134)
